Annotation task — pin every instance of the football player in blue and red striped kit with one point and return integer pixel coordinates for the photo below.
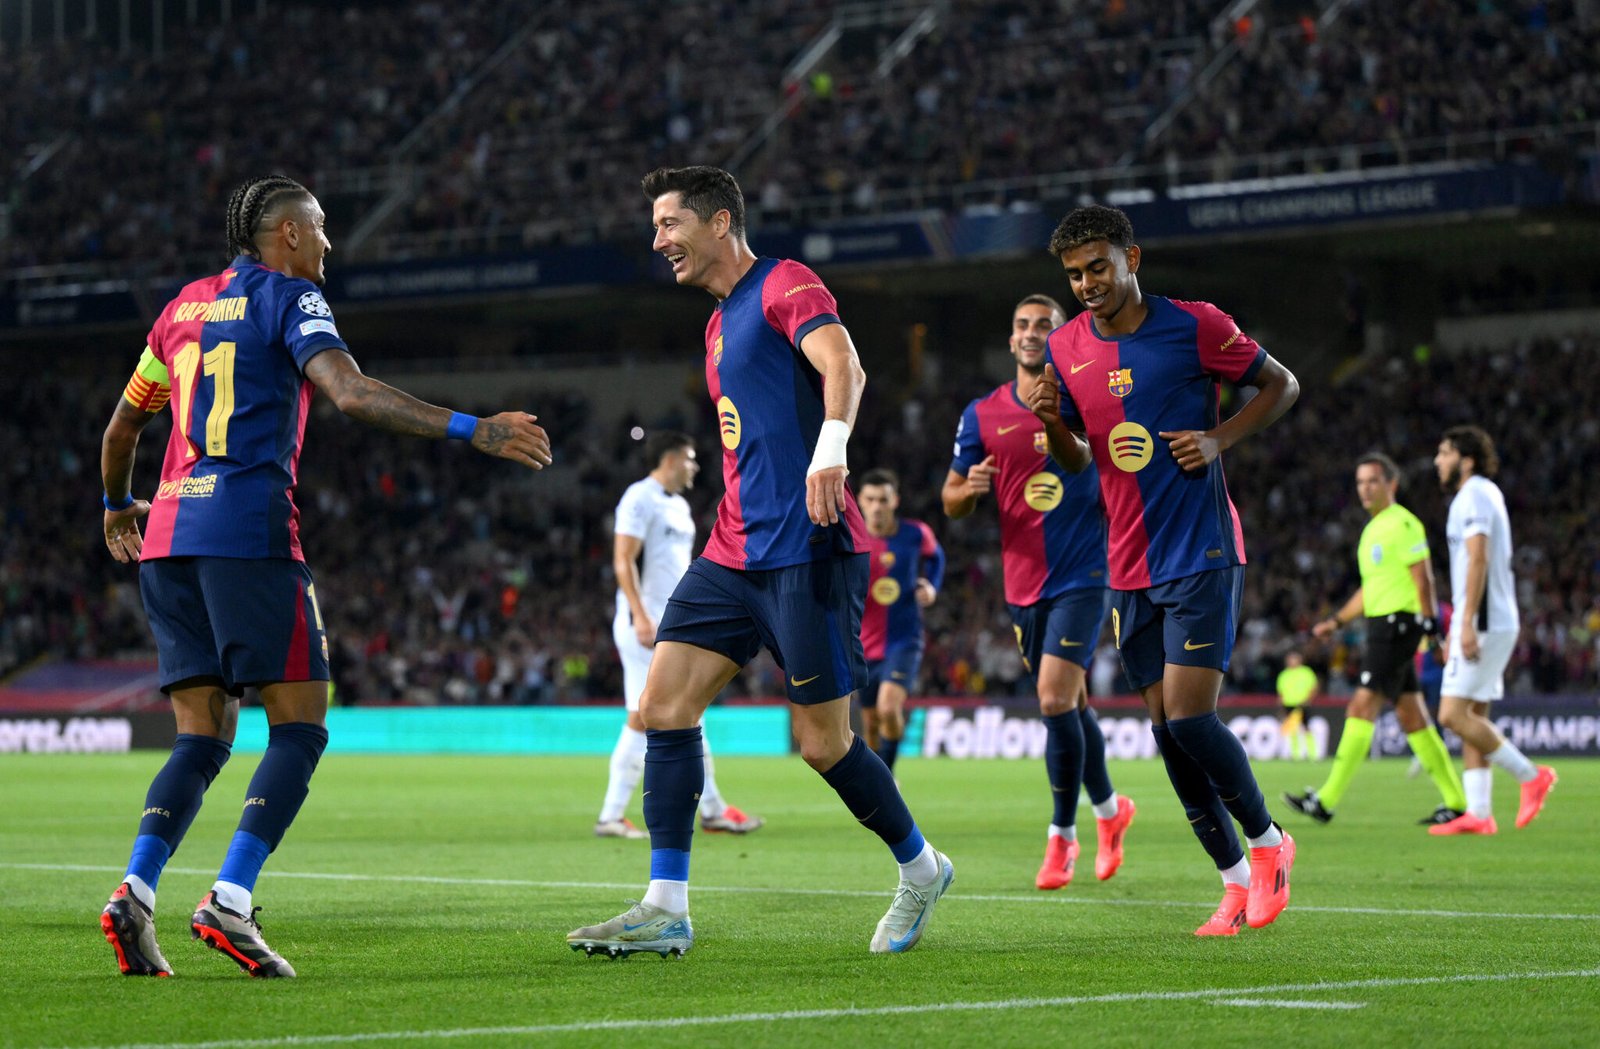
(785, 567)
(1132, 386)
(226, 588)
(1053, 555)
(907, 569)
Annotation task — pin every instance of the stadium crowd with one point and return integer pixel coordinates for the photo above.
(448, 577)
(547, 139)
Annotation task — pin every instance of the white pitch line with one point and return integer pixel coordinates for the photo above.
(1053, 899)
(1288, 1003)
(656, 1023)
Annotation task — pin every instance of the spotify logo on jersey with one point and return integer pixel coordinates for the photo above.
(1043, 491)
(1131, 446)
(886, 591)
(728, 422)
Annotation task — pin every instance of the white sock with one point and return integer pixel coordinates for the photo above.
(141, 892)
(1070, 833)
(1238, 874)
(1477, 784)
(627, 767)
(711, 803)
(1514, 761)
(1107, 809)
(922, 869)
(1267, 838)
(234, 897)
(670, 896)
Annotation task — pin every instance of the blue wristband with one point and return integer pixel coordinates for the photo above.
(127, 501)
(462, 426)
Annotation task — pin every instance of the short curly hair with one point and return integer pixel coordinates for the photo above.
(1091, 223)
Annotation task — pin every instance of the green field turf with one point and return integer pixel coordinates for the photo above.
(426, 900)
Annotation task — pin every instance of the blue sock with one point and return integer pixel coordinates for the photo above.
(173, 801)
(1207, 817)
(1219, 752)
(1096, 780)
(274, 797)
(674, 776)
(888, 750)
(1063, 763)
(247, 854)
(867, 789)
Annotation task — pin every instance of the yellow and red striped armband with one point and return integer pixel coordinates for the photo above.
(149, 388)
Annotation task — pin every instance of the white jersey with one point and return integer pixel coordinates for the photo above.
(1479, 508)
(666, 525)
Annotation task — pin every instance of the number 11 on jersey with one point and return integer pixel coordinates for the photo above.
(218, 364)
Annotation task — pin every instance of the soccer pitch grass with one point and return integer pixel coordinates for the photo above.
(427, 900)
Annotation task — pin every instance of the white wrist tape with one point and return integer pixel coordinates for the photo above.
(830, 446)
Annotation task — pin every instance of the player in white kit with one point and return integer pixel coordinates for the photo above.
(653, 520)
(1483, 632)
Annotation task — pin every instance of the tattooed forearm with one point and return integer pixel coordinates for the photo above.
(384, 406)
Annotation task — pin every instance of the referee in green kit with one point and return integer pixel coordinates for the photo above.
(1397, 598)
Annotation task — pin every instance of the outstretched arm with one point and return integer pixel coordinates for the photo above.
(509, 435)
(833, 355)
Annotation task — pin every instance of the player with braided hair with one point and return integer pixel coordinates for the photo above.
(229, 597)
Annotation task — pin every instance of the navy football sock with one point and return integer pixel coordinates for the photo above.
(867, 789)
(1216, 750)
(277, 790)
(173, 801)
(888, 750)
(1096, 780)
(1207, 816)
(674, 776)
(1063, 763)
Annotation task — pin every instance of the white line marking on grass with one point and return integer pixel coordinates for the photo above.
(656, 1023)
(1055, 899)
(1289, 1003)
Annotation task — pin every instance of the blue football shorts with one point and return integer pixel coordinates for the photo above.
(808, 616)
(1189, 622)
(1066, 626)
(241, 621)
(899, 666)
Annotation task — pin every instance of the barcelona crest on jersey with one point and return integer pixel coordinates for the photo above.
(1120, 382)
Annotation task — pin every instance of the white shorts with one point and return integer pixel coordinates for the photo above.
(635, 659)
(1483, 679)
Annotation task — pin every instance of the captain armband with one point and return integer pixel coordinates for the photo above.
(149, 387)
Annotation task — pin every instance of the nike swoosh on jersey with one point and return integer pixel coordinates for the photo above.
(1190, 646)
(807, 681)
(1002, 430)
(1071, 644)
(1076, 368)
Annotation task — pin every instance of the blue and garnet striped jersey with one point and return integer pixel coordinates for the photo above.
(892, 616)
(1123, 391)
(768, 399)
(1052, 529)
(230, 350)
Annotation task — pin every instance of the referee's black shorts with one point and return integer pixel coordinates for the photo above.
(1390, 669)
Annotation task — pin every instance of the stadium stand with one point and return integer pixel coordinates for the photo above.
(481, 126)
